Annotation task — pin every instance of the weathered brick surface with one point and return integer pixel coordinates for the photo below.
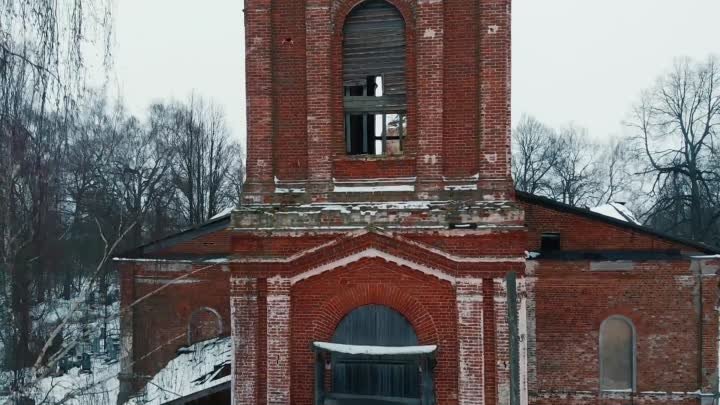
(246, 373)
(320, 303)
(457, 74)
(294, 269)
(471, 373)
(660, 298)
(582, 233)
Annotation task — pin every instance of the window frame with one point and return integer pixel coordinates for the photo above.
(633, 350)
(358, 108)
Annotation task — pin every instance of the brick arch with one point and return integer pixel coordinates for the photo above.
(339, 306)
(342, 8)
(204, 323)
(623, 312)
(339, 12)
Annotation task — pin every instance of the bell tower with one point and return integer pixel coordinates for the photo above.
(378, 100)
(378, 198)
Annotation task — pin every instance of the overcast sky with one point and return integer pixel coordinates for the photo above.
(581, 61)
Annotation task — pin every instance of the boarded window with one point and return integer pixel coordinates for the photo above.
(617, 355)
(374, 79)
(375, 325)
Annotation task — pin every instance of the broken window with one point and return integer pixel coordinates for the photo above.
(374, 80)
(617, 354)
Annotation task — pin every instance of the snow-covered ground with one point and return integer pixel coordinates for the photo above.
(97, 385)
(196, 368)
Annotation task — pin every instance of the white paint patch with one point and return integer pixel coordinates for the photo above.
(163, 281)
(430, 159)
(373, 253)
(374, 189)
(493, 29)
(429, 33)
(375, 350)
(461, 187)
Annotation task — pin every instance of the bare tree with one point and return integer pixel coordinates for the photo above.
(42, 47)
(616, 165)
(535, 153)
(676, 124)
(575, 176)
(207, 160)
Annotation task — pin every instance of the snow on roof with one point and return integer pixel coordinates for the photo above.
(222, 213)
(374, 350)
(196, 368)
(616, 210)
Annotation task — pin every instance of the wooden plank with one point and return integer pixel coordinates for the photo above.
(387, 104)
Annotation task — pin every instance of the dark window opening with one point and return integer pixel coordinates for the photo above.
(550, 242)
(374, 80)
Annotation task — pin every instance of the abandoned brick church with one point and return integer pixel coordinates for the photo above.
(380, 254)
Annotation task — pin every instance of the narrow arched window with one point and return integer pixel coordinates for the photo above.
(374, 79)
(617, 354)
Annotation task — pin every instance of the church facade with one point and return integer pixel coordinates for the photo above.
(380, 254)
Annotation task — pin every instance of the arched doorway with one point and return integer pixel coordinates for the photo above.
(374, 359)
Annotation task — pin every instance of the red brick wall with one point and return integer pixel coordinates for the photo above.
(587, 234)
(289, 89)
(320, 303)
(457, 73)
(160, 321)
(660, 299)
(461, 93)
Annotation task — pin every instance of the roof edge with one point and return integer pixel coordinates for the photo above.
(210, 226)
(550, 203)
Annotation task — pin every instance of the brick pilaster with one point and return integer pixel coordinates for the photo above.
(430, 96)
(502, 343)
(258, 72)
(278, 341)
(128, 384)
(471, 373)
(244, 325)
(319, 95)
(494, 91)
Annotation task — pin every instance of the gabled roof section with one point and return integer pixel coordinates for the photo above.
(217, 223)
(555, 205)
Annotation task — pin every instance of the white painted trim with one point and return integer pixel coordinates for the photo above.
(372, 253)
(450, 256)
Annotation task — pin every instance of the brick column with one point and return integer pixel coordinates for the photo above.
(128, 383)
(502, 343)
(258, 68)
(530, 282)
(244, 329)
(429, 30)
(523, 336)
(318, 29)
(494, 90)
(471, 375)
(278, 341)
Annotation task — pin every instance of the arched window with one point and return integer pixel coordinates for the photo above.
(374, 79)
(375, 325)
(617, 354)
(205, 323)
